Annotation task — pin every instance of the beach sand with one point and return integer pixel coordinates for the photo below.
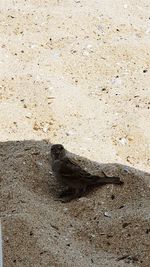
(76, 73)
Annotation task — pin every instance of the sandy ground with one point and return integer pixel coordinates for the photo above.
(76, 73)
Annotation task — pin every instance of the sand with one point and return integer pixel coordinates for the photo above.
(76, 73)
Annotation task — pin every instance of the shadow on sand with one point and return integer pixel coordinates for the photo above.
(25, 176)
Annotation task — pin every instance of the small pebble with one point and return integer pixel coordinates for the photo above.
(45, 128)
(121, 207)
(107, 214)
(28, 116)
(70, 133)
(85, 53)
(144, 71)
(126, 170)
(124, 225)
(123, 141)
(116, 81)
(65, 210)
(38, 163)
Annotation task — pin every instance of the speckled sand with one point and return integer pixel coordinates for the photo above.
(76, 73)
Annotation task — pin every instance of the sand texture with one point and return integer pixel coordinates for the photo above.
(76, 73)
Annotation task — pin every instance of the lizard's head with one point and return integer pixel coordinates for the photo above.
(57, 151)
